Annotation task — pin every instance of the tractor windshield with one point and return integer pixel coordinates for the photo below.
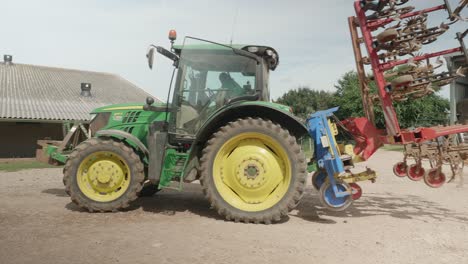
(209, 75)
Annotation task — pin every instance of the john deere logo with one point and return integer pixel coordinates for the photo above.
(117, 117)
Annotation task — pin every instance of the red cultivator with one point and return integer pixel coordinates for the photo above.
(402, 73)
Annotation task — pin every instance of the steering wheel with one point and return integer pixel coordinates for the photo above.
(214, 96)
(204, 110)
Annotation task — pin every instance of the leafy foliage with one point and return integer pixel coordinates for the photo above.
(427, 111)
(305, 101)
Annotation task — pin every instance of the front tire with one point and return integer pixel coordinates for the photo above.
(253, 170)
(103, 175)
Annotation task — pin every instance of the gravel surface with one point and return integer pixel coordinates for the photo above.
(396, 221)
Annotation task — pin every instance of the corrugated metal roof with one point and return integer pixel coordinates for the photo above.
(38, 92)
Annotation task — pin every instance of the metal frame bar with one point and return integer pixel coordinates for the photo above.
(389, 65)
(391, 121)
(367, 103)
(394, 133)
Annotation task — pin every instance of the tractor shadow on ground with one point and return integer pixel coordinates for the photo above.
(192, 200)
(373, 204)
(56, 191)
(171, 203)
(166, 202)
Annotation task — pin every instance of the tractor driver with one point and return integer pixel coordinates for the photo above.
(229, 84)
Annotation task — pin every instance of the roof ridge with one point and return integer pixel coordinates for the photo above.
(57, 68)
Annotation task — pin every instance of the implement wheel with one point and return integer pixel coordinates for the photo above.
(434, 178)
(330, 201)
(416, 172)
(103, 175)
(400, 169)
(356, 190)
(253, 170)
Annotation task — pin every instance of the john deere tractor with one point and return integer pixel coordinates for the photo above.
(219, 128)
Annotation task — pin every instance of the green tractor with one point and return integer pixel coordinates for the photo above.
(219, 128)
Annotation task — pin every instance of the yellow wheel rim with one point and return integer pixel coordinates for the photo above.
(103, 176)
(252, 172)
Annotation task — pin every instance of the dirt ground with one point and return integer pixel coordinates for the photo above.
(396, 221)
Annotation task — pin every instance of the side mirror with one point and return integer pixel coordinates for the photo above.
(150, 57)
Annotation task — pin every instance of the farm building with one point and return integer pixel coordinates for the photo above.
(458, 91)
(36, 102)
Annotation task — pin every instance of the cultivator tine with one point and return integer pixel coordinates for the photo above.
(439, 62)
(456, 14)
(460, 72)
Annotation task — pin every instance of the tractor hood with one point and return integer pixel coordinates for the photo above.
(125, 107)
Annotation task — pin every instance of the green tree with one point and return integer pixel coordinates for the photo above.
(348, 96)
(305, 101)
(427, 111)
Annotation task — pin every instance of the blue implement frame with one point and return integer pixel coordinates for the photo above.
(326, 151)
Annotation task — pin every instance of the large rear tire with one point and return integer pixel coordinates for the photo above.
(103, 175)
(253, 170)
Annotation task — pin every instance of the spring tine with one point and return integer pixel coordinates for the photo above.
(460, 72)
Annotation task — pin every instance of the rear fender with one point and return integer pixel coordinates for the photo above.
(244, 110)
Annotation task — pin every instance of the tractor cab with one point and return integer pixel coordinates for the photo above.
(210, 76)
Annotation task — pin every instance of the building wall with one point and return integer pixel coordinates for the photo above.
(458, 92)
(461, 99)
(18, 139)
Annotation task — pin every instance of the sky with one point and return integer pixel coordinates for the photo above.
(312, 37)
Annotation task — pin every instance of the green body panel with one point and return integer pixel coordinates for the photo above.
(132, 119)
(174, 164)
(52, 151)
(280, 107)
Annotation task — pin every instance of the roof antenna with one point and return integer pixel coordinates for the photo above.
(234, 22)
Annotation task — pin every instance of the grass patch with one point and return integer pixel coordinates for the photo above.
(17, 165)
(398, 148)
